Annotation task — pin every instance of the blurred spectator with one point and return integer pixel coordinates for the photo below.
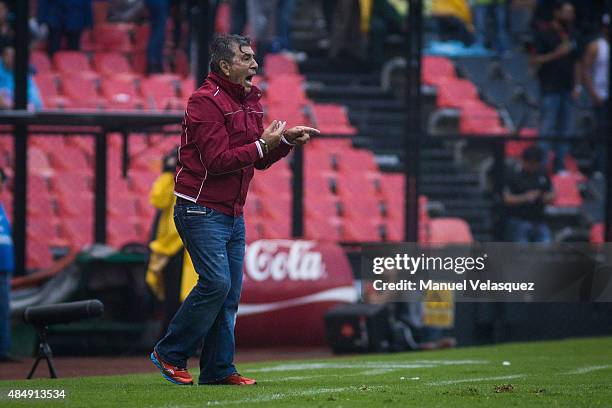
(345, 41)
(261, 22)
(7, 266)
(7, 83)
(166, 260)
(596, 71)
(65, 18)
(238, 16)
(557, 61)
(125, 11)
(284, 15)
(453, 20)
(158, 14)
(483, 9)
(388, 17)
(526, 193)
(6, 31)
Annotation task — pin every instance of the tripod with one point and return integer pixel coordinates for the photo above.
(44, 352)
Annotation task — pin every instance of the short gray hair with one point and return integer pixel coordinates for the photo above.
(221, 49)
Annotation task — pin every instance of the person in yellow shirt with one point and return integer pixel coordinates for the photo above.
(170, 273)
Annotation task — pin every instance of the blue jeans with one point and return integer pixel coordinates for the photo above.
(216, 243)
(284, 14)
(521, 230)
(5, 313)
(500, 40)
(158, 14)
(556, 119)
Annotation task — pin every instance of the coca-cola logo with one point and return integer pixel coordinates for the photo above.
(283, 259)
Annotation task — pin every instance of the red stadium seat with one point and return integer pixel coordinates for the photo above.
(279, 64)
(436, 70)
(48, 86)
(323, 228)
(566, 187)
(453, 92)
(121, 93)
(361, 230)
(351, 185)
(83, 91)
(71, 62)
(161, 92)
(38, 254)
(113, 37)
(597, 234)
(286, 90)
(449, 231)
(38, 161)
(356, 161)
(332, 119)
(293, 114)
(121, 232)
(516, 148)
(70, 158)
(78, 231)
(141, 37)
(111, 63)
(188, 85)
(40, 61)
(75, 204)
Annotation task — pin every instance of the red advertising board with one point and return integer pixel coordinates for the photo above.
(288, 287)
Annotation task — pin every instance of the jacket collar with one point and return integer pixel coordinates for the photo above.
(236, 91)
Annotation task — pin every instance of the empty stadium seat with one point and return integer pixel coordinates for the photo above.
(38, 254)
(111, 63)
(361, 230)
(597, 233)
(279, 64)
(71, 62)
(113, 37)
(161, 92)
(566, 187)
(70, 158)
(323, 229)
(40, 61)
(83, 91)
(453, 92)
(48, 84)
(449, 231)
(292, 114)
(286, 90)
(356, 161)
(332, 119)
(121, 93)
(437, 70)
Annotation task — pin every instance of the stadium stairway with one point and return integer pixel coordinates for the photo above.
(379, 119)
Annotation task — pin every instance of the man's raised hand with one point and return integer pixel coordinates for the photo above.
(273, 133)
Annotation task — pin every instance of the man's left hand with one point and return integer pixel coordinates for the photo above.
(300, 135)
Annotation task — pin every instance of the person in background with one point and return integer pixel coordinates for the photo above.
(388, 17)
(158, 14)
(482, 10)
(6, 30)
(7, 265)
(7, 83)
(284, 15)
(453, 20)
(526, 193)
(165, 266)
(596, 78)
(557, 62)
(260, 17)
(65, 18)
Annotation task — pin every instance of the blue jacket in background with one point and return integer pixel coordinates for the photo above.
(7, 261)
(71, 15)
(7, 85)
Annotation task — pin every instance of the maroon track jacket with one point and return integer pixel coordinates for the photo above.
(219, 145)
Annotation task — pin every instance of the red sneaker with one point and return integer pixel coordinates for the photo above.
(236, 379)
(174, 374)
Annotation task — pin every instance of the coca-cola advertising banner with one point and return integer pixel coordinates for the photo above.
(288, 287)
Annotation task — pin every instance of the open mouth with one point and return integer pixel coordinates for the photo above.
(249, 80)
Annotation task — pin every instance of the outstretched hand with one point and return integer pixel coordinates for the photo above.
(300, 135)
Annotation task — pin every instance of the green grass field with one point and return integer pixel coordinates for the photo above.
(571, 373)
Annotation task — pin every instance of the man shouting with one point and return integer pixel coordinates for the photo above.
(222, 141)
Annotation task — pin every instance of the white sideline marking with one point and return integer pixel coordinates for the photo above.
(465, 380)
(584, 370)
(281, 396)
(371, 365)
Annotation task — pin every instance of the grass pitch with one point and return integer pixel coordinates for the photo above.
(571, 373)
